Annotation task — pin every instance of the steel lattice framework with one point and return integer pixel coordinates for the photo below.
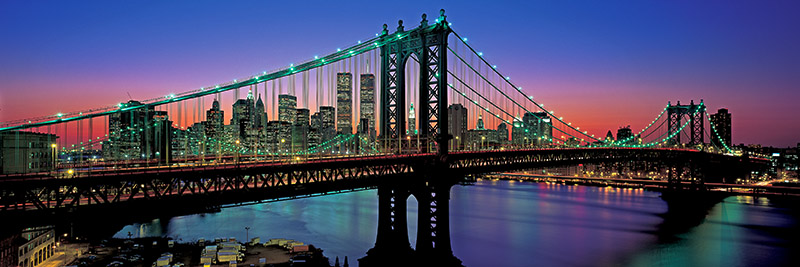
(428, 43)
(695, 115)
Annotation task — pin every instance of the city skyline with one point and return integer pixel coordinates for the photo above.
(579, 78)
(462, 134)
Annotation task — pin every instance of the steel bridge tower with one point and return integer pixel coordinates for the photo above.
(428, 43)
(430, 183)
(695, 115)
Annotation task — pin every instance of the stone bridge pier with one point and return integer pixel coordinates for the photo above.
(392, 248)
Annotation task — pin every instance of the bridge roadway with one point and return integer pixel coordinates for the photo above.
(252, 180)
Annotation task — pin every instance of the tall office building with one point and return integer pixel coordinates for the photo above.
(300, 130)
(412, 121)
(286, 108)
(625, 134)
(457, 119)
(315, 122)
(368, 100)
(344, 103)
(722, 124)
(537, 127)
(214, 128)
(315, 130)
(519, 136)
(260, 114)
(142, 133)
(328, 121)
(502, 133)
(243, 111)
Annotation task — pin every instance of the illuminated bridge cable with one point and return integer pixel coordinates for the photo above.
(316, 62)
(518, 88)
(486, 109)
(490, 102)
(624, 143)
(644, 129)
(504, 94)
(670, 135)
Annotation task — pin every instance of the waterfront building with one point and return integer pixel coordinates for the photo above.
(29, 248)
(26, 152)
(722, 124)
(344, 103)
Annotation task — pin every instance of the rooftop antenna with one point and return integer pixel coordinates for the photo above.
(129, 96)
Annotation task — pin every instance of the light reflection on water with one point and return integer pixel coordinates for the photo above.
(500, 223)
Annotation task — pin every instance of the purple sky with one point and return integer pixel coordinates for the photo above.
(599, 64)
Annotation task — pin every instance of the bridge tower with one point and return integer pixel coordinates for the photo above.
(428, 43)
(695, 115)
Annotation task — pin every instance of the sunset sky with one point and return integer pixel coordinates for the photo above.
(600, 64)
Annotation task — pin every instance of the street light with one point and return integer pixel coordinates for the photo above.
(54, 146)
(483, 138)
(282, 144)
(247, 233)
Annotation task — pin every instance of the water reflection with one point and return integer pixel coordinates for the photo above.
(500, 223)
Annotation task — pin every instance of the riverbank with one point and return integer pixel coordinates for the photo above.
(160, 251)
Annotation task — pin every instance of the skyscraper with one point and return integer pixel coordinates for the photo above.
(260, 114)
(214, 127)
(412, 121)
(368, 99)
(140, 133)
(502, 133)
(722, 125)
(344, 92)
(625, 134)
(537, 127)
(300, 130)
(286, 108)
(457, 119)
(328, 117)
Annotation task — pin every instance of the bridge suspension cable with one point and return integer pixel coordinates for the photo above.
(518, 89)
(514, 101)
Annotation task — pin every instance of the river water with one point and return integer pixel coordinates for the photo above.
(510, 223)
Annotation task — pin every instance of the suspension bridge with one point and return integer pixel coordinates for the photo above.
(419, 139)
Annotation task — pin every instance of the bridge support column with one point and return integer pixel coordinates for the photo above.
(433, 230)
(391, 244)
